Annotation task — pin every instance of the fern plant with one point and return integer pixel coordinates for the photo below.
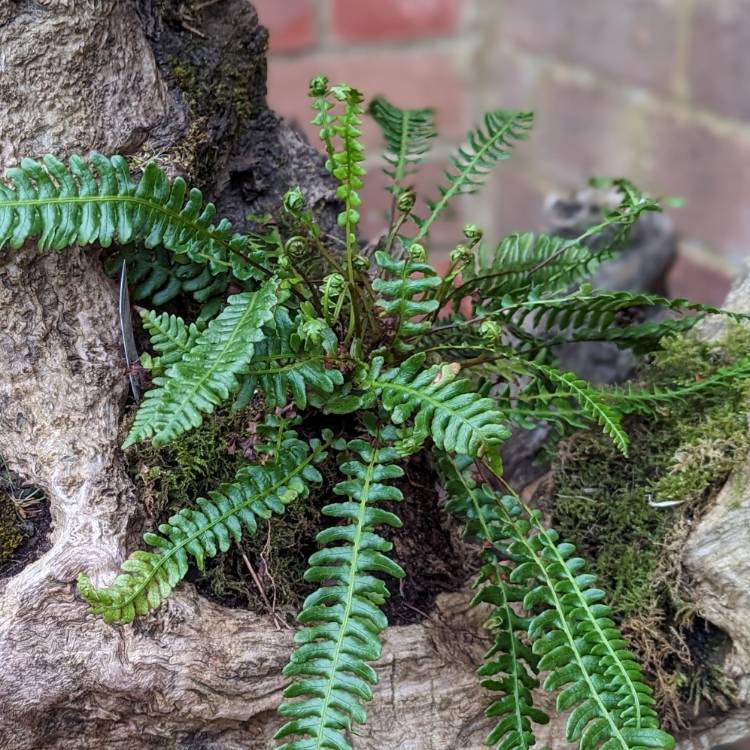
(445, 364)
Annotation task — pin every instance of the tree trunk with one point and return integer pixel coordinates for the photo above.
(183, 83)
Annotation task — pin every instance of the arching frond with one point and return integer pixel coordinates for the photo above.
(201, 532)
(522, 261)
(342, 619)
(587, 662)
(590, 309)
(208, 373)
(510, 666)
(63, 205)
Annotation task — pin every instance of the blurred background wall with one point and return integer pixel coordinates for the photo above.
(655, 90)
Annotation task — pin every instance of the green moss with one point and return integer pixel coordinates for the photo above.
(11, 537)
(602, 502)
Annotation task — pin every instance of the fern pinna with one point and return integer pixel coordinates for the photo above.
(422, 361)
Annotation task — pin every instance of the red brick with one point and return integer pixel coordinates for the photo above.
(633, 41)
(393, 19)
(711, 171)
(432, 80)
(697, 282)
(517, 205)
(290, 23)
(580, 132)
(718, 63)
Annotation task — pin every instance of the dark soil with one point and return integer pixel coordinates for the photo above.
(27, 512)
(427, 548)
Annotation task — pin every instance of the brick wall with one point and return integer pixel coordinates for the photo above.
(657, 90)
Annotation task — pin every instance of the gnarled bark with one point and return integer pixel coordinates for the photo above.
(187, 86)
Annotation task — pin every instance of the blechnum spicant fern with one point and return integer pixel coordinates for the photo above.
(445, 363)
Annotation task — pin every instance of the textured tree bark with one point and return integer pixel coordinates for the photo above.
(184, 83)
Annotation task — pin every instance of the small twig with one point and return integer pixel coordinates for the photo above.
(260, 588)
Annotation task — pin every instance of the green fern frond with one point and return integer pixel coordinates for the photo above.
(62, 206)
(405, 296)
(590, 309)
(346, 163)
(592, 401)
(522, 261)
(631, 399)
(147, 578)
(281, 367)
(342, 619)
(510, 665)
(158, 276)
(444, 408)
(473, 162)
(207, 374)
(640, 337)
(171, 338)
(597, 679)
(407, 134)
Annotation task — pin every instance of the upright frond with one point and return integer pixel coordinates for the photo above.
(407, 134)
(472, 162)
(208, 373)
(342, 619)
(405, 295)
(201, 532)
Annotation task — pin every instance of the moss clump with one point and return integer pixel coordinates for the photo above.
(11, 537)
(615, 509)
